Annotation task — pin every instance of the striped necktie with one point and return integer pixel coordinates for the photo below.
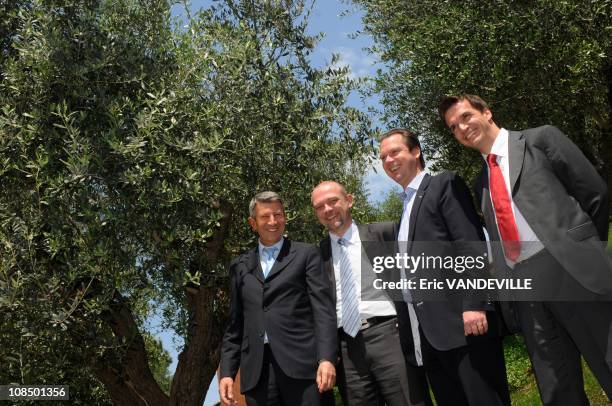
(351, 321)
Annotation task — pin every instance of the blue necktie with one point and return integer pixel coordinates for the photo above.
(268, 254)
(351, 321)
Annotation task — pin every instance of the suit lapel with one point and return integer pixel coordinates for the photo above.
(416, 206)
(481, 189)
(368, 236)
(328, 263)
(254, 264)
(284, 258)
(516, 156)
(486, 206)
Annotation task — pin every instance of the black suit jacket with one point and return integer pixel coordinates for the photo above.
(563, 199)
(443, 212)
(293, 305)
(385, 231)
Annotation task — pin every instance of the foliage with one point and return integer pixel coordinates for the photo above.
(129, 149)
(518, 366)
(159, 362)
(391, 208)
(538, 62)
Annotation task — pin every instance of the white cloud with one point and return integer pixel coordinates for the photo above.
(378, 184)
(360, 63)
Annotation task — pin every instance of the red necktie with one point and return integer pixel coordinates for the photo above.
(503, 210)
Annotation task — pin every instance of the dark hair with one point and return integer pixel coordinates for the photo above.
(450, 101)
(409, 138)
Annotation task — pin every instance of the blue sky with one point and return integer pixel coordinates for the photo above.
(338, 20)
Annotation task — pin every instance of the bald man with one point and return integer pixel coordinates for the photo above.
(373, 370)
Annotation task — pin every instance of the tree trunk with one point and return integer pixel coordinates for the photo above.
(120, 392)
(137, 375)
(199, 359)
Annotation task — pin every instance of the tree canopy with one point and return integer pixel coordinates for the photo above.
(535, 62)
(130, 145)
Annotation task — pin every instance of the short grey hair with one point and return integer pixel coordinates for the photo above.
(264, 197)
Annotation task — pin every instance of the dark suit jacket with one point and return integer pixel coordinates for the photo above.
(563, 199)
(384, 232)
(367, 232)
(293, 305)
(444, 222)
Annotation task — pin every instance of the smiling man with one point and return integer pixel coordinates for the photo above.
(548, 207)
(372, 370)
(455, 338)
(282, 325)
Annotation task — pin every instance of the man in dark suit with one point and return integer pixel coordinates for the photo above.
(455, 334)
(282, 328)
(547, 207)
(372, 370)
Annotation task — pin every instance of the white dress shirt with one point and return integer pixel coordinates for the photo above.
(367, 308)
(402, 238)
(530, 243)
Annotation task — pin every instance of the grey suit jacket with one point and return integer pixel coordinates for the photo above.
(563, 199)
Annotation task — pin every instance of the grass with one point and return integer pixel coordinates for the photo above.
(528, 395)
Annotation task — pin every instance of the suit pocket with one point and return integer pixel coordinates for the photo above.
(583, 231)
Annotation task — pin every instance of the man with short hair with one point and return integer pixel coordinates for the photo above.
(373, 369)
(547, 206)
(282, 325)
(455, 335)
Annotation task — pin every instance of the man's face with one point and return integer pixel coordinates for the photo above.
(400, 163)
(471, 127)
(269, 222)
(332, 207)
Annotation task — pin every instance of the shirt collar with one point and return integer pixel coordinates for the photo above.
(349, 235)
(278, 245)
(415, 183)
(500, 145)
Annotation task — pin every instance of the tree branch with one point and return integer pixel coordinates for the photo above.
(199, 359)
(138, 375)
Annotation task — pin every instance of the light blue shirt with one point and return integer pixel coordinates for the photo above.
(404, 231)
(263, 260)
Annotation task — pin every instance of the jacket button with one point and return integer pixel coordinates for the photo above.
(265, 309)
(261, 334)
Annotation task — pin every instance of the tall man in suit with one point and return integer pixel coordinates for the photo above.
(546, 204)
(373, 370)
(282, 328)
(455, 336)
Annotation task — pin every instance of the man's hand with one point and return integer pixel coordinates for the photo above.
(475, 322)
(326, 376)
(226, 391)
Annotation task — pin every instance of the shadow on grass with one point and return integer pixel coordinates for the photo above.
(528, 395)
